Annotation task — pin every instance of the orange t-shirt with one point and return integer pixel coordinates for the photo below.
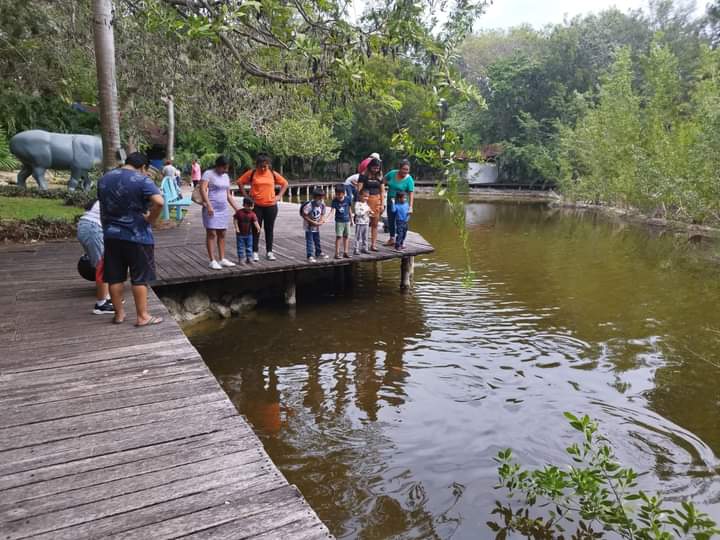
(263, 186)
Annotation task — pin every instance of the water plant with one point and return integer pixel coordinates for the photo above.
(593, 497)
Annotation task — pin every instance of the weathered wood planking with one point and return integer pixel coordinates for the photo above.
(110, 430)
(122, 432)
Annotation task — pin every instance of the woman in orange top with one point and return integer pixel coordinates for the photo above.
(262, 180)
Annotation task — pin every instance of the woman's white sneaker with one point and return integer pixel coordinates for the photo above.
(215, 265)
(271, 256)
(226, 263)
(256, 257)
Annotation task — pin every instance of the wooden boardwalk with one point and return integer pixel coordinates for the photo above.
(112, 431)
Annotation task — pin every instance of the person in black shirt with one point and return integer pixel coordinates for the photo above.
(374, 183)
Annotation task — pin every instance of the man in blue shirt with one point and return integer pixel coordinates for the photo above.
(129, 204)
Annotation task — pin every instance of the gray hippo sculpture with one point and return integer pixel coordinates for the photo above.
(40, 150)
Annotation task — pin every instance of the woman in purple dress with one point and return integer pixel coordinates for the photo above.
(217, 201)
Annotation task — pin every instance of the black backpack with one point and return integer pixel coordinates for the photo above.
(302, 207)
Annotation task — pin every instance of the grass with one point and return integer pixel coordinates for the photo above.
(22, 208)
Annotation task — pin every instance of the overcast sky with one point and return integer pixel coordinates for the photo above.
(507, 13)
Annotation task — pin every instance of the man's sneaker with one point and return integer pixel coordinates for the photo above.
(312, 259)
(105, 307)
(271, 256)
(215, 265)
(226, 263)
(322, 256)
(256, 257)
(366, 251)
(248, 261)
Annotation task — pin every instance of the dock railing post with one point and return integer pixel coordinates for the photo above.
(407, 270)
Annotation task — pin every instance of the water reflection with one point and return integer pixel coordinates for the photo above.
(386, 409)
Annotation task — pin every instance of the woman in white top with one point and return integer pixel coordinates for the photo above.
(217, 201)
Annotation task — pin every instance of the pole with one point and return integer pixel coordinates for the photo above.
(170, 149)
(107, 85)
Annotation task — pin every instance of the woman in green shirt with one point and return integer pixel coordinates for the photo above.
(398, 180)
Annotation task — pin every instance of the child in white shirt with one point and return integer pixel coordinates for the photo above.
(362, 223)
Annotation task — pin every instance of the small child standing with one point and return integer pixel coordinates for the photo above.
(402, 215)
(362, 223)
(245, 220)
(343, 217)
(313, 214)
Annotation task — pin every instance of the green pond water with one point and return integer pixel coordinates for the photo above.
(386, 409)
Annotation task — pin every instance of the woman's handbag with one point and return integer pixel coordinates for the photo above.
(197, 195)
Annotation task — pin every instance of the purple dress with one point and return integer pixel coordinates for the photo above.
(218, 185)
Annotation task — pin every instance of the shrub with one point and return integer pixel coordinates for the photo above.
(78, 198)
(37, 229)
(595, 495)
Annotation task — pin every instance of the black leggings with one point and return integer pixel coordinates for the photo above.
(266, 215)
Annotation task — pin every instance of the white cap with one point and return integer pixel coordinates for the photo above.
(375, 155)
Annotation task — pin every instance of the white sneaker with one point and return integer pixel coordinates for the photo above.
(322, 256)
(256, 258)
(312, 259)
(215, 265)
(226, 263)
(271, 256)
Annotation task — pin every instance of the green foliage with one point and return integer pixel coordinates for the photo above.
(593, 496)
(77, 198)
(237, 141)
(532, 79)
(439, 149)
(649, 147)
(305, 137)
(8, 162)
(21, 111)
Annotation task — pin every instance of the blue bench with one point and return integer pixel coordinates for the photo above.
(173, 197)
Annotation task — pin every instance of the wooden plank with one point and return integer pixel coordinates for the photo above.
(169, 491)
(35, 478)
(166, 395)
(63, 451)
(204, 497)
(73, 427)
(265, 505)
(252, 461)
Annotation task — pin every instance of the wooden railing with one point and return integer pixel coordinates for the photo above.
(298, 191)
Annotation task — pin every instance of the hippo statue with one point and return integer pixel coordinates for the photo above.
(40, 150)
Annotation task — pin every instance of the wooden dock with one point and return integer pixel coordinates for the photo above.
(112, 431)
(181, 257)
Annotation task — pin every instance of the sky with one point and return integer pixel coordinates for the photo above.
(538, 13)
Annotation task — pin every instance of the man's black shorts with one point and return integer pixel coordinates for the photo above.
(121, 255)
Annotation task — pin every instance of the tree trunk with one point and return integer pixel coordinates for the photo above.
(107, 86)
(170, 149)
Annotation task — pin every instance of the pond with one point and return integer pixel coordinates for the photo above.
(386, 409)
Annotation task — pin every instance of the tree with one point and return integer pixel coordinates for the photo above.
(304, 137)
(107, 87)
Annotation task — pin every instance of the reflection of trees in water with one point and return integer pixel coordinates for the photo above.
(316, 397)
